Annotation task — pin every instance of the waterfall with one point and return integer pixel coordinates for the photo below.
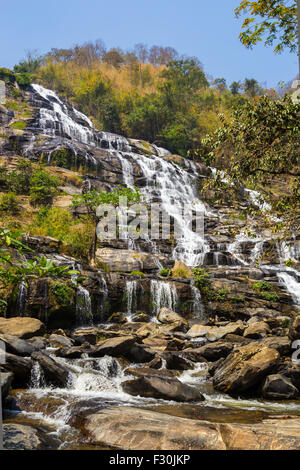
(131, 291)
(198, 307)
(21, 299)
(37, 378)
(291, 285)
(163, 294)
(84, 313)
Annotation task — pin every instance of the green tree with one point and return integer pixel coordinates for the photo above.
(271, 21)
(235, 88)
(43, 188)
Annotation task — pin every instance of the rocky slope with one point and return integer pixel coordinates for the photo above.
(232, 331)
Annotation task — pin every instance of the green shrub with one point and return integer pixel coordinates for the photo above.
(19, 125)
(23, 79)
(201, 277)
(7, 75)
(137, 273)
(19, 179)
(165, 272)
(270, 296)
(10, 204)
(262, 286)
(63, 294)
(43, 188)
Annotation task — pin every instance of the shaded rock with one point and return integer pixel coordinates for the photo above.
(167, 388)
(282, 344)
(155, 364)
(176, 362)
(74, 352)
(86, 335)
(214, 351)
(38, 342)
(137, 429)
(147, 372)
(292, 372)
(17, 346)
(139, 354)
(20, 437)
(236, 339)
(245, 367)
(54, 372)
(22, 327)
(119, 346)
(20, 367)
(58, 341)
(257, 330)
(193, 354)
(278, 387)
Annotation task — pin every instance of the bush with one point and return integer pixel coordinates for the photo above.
(7, 75)
(262, 286)
(19, 179)
(23, 79)
(19, 125)
(10, 204)
(164, 272)
(43, 188)
(137, 273)
(63, 294)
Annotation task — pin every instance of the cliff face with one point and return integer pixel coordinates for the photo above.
(236, 251)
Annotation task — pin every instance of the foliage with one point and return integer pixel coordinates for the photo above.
(262, 286)
(269, 296)
(19, 125)
(40, 267)
(202, 278)
(137, 273)
(273, 20)
(19, 180)
(43, 188)
(10, 204)
(62, 293)
(165, 272)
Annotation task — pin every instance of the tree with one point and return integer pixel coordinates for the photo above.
(43, 188)
(274, 21)
(235, 88)
(251, 87)
(93, 199)
(220, 84)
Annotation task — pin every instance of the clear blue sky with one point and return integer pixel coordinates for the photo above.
(203, 28)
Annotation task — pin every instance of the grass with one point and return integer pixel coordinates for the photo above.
(19, 125)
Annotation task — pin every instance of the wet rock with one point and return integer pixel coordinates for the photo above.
(115, 347)
(75, 352)
(146, 371)
(22, 327)
(291, 371)
(137, 429)
(244, 368)
(167, 388)
(167, 315)
(5, 383)
(20, 437)
(278, 387)
(54, 372)
(17, 346)
(155, 364)
(139, 354)
(193, 354)
(236, 339)
(257, 330)
(20, 367)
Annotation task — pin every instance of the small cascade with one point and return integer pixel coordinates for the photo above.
(291, 285)
(131, 295)
(103, 289)
(37, 378)
(21, 299)
(84, 313)
(198, 307)
(256, 253)
(127, 171)
(163, 294)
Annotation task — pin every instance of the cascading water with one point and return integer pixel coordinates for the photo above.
(84, 313)
(292, 286)
(163, 294)
(198, 307)
(22, 298)
(131, 296)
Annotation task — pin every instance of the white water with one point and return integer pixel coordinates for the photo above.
(131, 296)
(163, 294)
(22, 298)
(198, 307)
(291, 285)
(84, 313)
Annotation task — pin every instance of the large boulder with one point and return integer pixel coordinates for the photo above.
(114, 347)
(167, 388)
(214, 351)
(20, 367)
(15, 345)
(166, 315)
(131, 428)
(278, 387)
(214, 333)
(22, 327)
(244, 368)
(128, 261)
(257, 330)
(54, 372)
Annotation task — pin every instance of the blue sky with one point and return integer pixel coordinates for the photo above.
(202, 28)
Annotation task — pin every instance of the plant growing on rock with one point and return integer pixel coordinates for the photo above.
(43, 188)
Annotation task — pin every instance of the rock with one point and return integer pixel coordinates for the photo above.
(155, 364)
(54, 372)
(128, 261)
(147, 372)
(176, 362)
(214, 333)
(294, 332)
(17, 346)
(131, 428)
(58, 341)
(20, 437)
(257, 330)
(139, 354)
(115, 347)
(167, 315)
(244, 368)
(166, 388)
(74, 352)
(38, 343)
(22, 327)
(236, 339)
(193, 354)
(214, 351)
(282, 344)
(42, 244)
(5, 383)
(86, 335)
(271, 434)
(213, 366)
(20, 367)
(181, 270)
(278, 387)
(292, 372)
